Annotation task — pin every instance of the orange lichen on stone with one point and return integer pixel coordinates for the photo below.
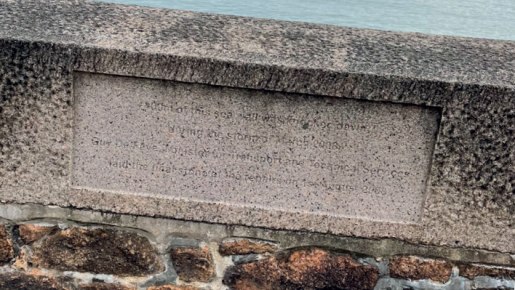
(30, 233)
(193, 263)
(18, 280)
(303, 269)
(472, 271)
(6, 246)
(96, 250)
(303, 263)
(415, 268)
(246, 247)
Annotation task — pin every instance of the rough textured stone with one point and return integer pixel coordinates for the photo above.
(104, 286)
(104, 103)
(20, 281)
(416, 268)
(106, 251)
(470, 80)
(472, 271)
(22, 259)
(6, 246)
(302, 269)
(172, 287)
(29, 232)
(246, 247)
(495, 288)
(193, 263)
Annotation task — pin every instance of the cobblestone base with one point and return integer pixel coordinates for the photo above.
(60, 249)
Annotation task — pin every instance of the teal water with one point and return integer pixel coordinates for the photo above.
(474, 18)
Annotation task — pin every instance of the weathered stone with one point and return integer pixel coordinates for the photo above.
(470, 81)
(172, 287)
(193, 263)
(104, 286)
(237, 259)
(472, 271)
(16, 281)
(22, 259)
(415, 268)
(104, 251)
(246, 247)
(30, 232)
(496, 288)
(6, 246)
(104, 103)
(302, 269)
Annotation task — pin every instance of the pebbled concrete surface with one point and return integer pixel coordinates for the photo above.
(470, 202)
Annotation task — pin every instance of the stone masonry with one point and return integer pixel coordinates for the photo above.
(154, 149)
(66, 253)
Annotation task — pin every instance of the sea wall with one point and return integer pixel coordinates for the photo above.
(147, 147)
(55, 248)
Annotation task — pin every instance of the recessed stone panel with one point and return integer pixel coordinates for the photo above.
(286, 152)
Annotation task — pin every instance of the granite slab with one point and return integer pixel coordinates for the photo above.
(462, 89)
(288, 152)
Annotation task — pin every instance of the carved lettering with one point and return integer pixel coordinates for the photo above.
(251, 148)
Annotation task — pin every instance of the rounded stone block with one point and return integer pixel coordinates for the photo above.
(102, 251)
(246, 247)
(193, 263)
(15, 280)
(472, 271)
(416, 268)
(302, 269)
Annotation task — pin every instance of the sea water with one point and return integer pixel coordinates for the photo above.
(493, 19)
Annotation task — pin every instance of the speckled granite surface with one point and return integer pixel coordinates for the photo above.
(470, 202)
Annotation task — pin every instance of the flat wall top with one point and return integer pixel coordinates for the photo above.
(445, 107)
(260, 41)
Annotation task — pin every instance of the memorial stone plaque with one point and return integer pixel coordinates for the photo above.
(286, 152)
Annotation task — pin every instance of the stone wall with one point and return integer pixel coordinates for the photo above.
(46, 45)
(58, 231)
(56, 248)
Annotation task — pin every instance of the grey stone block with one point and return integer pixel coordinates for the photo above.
(467, 85)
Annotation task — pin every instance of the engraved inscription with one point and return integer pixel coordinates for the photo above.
(271, 150)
